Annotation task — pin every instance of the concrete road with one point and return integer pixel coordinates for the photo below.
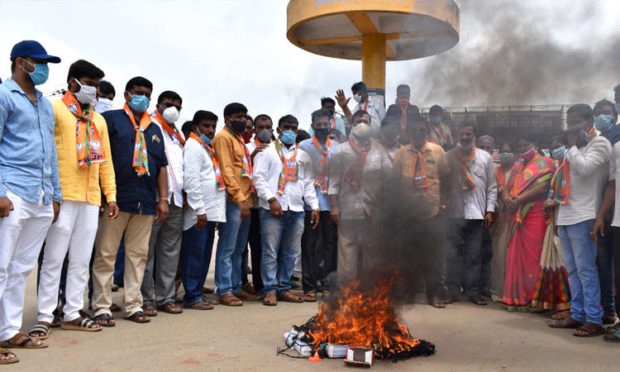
(467, 337)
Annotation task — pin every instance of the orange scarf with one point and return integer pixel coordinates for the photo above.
(321, 179)
(289, 170)
(419, 174)
(355, 172)
(501, 177)
(89, 145)
(560, 183)
(171, 130)
(219, 180)
(246, 170)
(466, 180)
(140, 156)
(334, 123)
(403, 118)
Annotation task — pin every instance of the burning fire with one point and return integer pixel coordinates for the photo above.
(365, 318)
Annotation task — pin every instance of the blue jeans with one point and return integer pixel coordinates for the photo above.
(604, 261)
(195, 259)
(579, 253)
(281, 242)
(233, 237)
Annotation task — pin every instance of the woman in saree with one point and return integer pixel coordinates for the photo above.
(523, 198)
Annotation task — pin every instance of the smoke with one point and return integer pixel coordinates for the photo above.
(518, 53)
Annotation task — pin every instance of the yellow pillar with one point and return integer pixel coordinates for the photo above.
(373, 61)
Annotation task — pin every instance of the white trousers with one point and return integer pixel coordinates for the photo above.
(74, 232)
(21, 237)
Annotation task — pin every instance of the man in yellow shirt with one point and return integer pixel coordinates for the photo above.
(85, 169)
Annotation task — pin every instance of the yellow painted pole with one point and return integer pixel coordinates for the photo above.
(373, 61)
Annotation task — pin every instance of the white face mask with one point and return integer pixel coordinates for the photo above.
(103, 105)
(171, 115)
(361, 131)
(357, 97)
(86, 94)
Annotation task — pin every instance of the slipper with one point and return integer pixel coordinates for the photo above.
(149, 309)
(478, 300)
(270, 299)
(25, 343)
(200, 305)
(614, 337)
(170, 308)
(589, 330)
(246, 296)
(139, 317)
(41, 328)
(7, 353)
(230, 299)
(565, 323)
(105, 320)
(310, 296)
(83, 324)
(289, 297)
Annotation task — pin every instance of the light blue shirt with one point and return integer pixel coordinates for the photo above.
(315, 157)
(339, 125)
(28, 159)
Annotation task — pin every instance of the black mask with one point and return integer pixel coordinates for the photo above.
(238, 126)
(321, 134)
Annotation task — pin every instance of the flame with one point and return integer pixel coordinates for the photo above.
(363, 318)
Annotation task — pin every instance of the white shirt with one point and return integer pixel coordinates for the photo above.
(203, 195)
(614, 174)
(481, 200)
(375, 109)
(589, 172)
(174, 154)
(266, 174)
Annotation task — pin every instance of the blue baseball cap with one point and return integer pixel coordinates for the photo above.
(32, 49)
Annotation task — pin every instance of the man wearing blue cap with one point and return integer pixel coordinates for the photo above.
(30, 194)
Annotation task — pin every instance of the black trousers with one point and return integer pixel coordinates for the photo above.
(319, 252)
(616, 260)
(256, 250)
(464, 258)
(486, 255)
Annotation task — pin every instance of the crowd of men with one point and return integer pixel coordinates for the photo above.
(82, 179)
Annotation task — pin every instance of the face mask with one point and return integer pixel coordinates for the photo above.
(603, 123)
(205, 139)
(402, 101)
(435, 119)
(138, 103)
(40, 74)
(288, 137)
(247, 137)
(321, 134)
(361, 130)
(357, 98)
(103, 105)
(238, 125)
(171, 115)
(558, 153)
(86, 94)
(506, 158)
(528, 155)
(264, 136)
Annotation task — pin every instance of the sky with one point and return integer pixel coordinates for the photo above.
(213, 52)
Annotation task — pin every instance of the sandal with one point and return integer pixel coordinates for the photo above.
(270, 299)
(40, 330)
(200, 305)
(115, 308)
(478, 300)
(207, 290)
(614, 337)
(565, 323)
(58, 314)
(246, 296)
(105, 320)
(81, 324)
(230, 299)
(149, 309)
(170, 308)
(436, 302)
(310, 296)
(289, 297)
(589, 330)
(561, 315)
(139, 317)
(6, 353)
(21, 341)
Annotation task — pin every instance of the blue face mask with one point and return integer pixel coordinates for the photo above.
(558, 153)
(40, 74)
(288, 137)
(435, 119)
(205, 139)
(603, 123)
(139, 103)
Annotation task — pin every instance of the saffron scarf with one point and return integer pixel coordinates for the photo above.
(355, 172)
(403, 118)
(289, 168)
(321, 179)
(89, 145)
(171, 130)
(560, 183)
(140, 156)
(219, 180)
(437, 130)
(419, 174)
(334, 123)
(501, 177)
(466, 179)
(246, 170)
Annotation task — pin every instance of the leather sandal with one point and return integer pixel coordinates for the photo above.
(589, 330)
(230, 299)
(270, 299)
(289, 297)
(149, 309)
(565, 323)
(21, 341)
(200, 305)
(139, 317)
(7, 354)
(310, 296)
(245, 296)
(170, 308)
